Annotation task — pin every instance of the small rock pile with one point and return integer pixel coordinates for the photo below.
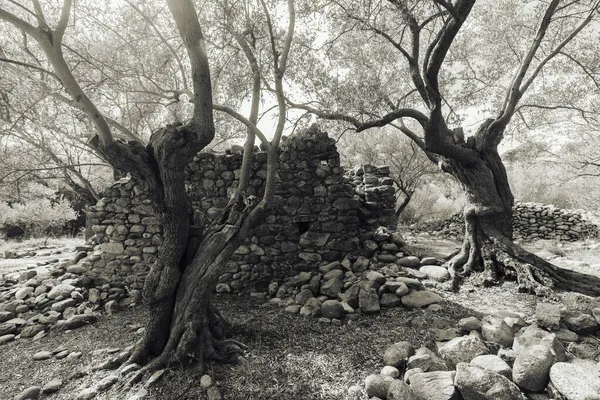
(500, 357)
(533, 221)
(343, 290)
(61, 296)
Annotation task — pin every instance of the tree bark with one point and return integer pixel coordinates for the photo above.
(488, 247)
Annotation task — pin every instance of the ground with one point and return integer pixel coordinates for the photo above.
(289, 356)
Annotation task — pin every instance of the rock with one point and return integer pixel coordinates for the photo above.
(398, 390)
(420, 299)
(565, 335)
(497, 331)
(31, 392)
(300, 279)
(493, 363)
(293, 309)
(6, 315)
(402, 289)
(155, 377)
(532, 367)
(477, 383)
(411, 372)
(377, 385)
(332, 309)
(76, 321)
(312, 308)
(445, 335)
(62, 305)
(389, 300)
(61, 290)
(77, 269)
(32, 330)
(438, 385)
(213, 393)
(374, 276)
(354, 392)
(111, 307)
(398, 354)
(24, 292)
(580, 302)
(575, 382)
(582, 323)
(107, 382)
(409, 262)
(331, 287)
(368, 301)
(435, 273)
(583, 350)
(463, 349)
(42, 355)
(334, 274)
(548, 315)
(390, 371)
(7, 328)
(7, 338)
(426, 360)
(206, 381)
(555, 346)
(529, 336)
(52, 387)
(303, 296)
(87, 394)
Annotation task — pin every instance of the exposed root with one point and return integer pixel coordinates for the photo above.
(494, 257)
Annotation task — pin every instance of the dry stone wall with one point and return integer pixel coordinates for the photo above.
(319, 214)
(535, 221)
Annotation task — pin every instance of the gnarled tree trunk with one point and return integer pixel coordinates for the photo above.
(488, 247)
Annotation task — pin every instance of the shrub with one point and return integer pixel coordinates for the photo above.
(36, 217)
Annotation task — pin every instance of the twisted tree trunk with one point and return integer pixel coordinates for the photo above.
(488, 247)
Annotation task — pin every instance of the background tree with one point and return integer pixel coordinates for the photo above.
(418, 65)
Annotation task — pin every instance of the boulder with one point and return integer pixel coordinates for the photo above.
(389, 300)
(331, 288)
(426, 360)
(493, 363)
(438, 385)
(332, 309)
(409, 262)
(495, 330)
(420, 299)
(368, 301)
(532, 368)
(435, 273)
(61, 290)
(377, 385)
(477, 383)
(463, 349)
(398, 354)
(312, 308)
(581, 323)
(548, 315)
(399, 390)
(469, 324)
(575, 381)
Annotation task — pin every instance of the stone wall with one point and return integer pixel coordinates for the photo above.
(534, 221)
(319, 213)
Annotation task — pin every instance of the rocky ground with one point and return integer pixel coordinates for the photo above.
(63, 337)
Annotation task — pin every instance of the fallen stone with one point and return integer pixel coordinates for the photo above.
(331, 287)
(52, 387)
(368, 301)
(469, 324)
(42, 355)
(312, 308)
(532, 368)
(575, 381)
(7, 338)
(391, 371)
(398, 354)
(399, 390)
(426, 360)
(438, 385)
(61, 290)
(87, 394)
(548, 315)
(409, 262)
(107, 382)
(332, 309)
(389, 300)
(463, 349)
(154, 377)
(435, 273)
(31, 392)
(493, 363)
(582, 323)
(213, 393)
(377, 385)
(497, 331)
(420, 299)
(477, 383)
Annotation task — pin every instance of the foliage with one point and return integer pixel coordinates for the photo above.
(435, 200)
(37, 217)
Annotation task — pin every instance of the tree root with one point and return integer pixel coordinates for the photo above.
(494, 257)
